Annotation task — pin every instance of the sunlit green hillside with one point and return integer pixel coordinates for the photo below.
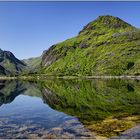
(105, 46)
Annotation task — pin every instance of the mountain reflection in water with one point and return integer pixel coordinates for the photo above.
(68, 108)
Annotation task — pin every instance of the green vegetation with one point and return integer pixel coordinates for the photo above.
(33, 64)
(10, 65)
(106, 46)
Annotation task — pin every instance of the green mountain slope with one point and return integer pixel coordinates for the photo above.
(9, 64)
(33, 64)
(105, 46)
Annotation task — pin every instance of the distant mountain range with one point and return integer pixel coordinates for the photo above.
(105, 46)
(33, 64)
(9, 64)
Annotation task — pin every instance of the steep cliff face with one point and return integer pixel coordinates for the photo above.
(105, 46)
(9, 64)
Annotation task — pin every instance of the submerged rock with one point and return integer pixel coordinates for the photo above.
(133, 133)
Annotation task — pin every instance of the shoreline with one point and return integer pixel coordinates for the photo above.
(44, 77)
(114, 77)
(8, 78)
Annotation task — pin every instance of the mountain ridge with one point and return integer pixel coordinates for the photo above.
(9, 64)
(107, 21)
(105, 46)
(33, 64)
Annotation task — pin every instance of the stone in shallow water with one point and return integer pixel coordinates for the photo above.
(56, 131)
(133, 133)
(24, 128)
(70, 129)
(33, 136)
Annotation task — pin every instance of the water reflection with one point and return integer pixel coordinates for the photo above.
(9, 90)
(24, 115)
(106, 107)
(68, 108)
(95, 99)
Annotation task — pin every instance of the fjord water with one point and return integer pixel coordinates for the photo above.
(68, 108)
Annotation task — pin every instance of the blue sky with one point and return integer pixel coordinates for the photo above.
(28, 28)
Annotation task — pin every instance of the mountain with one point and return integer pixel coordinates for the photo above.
(33, 64)
(9, 64)
(105, 46)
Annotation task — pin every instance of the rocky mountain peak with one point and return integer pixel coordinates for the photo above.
(112, 21)
(106, 21)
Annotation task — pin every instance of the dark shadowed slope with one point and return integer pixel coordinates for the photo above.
(9, 64)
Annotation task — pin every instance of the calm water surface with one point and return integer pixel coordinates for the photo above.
(68, 108)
